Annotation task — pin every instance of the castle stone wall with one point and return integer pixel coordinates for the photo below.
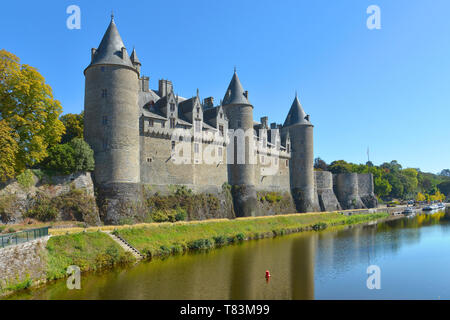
(346, 189)
(366, 190)
(326, 197)
(272, 177)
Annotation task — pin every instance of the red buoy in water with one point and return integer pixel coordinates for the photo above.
(267, 274)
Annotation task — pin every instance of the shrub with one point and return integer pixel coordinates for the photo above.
(200, 244)
(180, 215)
(26, 179)
(273, 197)
(319, 226)
(42, 209)
(220, 240)
(7, 207)
(240, 237)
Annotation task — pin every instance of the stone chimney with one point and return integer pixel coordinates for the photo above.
(264, 121)
(164, 87)
(273, 125)
(93, 51)
(208, 102)
(145, 84)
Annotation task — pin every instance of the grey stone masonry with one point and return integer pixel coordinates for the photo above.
(135, 134)
(23, 261)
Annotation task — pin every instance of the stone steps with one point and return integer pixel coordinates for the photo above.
(126, 246)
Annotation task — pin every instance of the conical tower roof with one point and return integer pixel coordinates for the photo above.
(296, 115)
(110, 49)
(134, 58)
(235, 92)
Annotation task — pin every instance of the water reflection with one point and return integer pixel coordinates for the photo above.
(311, 265)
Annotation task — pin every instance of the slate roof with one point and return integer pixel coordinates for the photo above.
(210, 113)
(110, 49)
(296, 115)
(134, 58)
(235, 92)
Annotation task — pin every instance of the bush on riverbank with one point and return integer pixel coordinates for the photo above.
(163, 239)
(91, 251)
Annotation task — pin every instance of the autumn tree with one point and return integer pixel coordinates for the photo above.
(28, 108)
(8, 151)
(420, 197)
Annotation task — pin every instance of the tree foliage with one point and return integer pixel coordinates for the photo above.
(74, 126)
(70, 157)
(28, 108)
(320, 164)
(8, 151)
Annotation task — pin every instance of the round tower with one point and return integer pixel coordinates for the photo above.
(241, 161)
(111, 117)
(302, 158)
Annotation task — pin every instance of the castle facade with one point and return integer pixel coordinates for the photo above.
(144, 137)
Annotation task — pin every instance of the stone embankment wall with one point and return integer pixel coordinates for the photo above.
(16, 200)
(23, 262)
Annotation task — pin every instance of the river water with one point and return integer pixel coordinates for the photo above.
(413, 255)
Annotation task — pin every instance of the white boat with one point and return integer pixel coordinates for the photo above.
(408, 211)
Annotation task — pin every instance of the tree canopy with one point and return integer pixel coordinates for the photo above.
(29, 115)
(74, 126)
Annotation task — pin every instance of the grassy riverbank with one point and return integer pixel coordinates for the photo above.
(165, 239)
(91, 251)
(94, 250)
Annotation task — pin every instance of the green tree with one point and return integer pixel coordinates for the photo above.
(382, 187)
(70, 157)
(444, 187)
(74, 124)
(410, 181)
(340, 166)
(83, 155)
(29, 109)
(320, 165)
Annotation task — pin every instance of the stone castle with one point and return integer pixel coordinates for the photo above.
(144, 137)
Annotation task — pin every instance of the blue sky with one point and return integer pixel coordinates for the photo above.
(386, 89)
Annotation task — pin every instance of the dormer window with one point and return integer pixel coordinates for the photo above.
(172, 107)
(221, 115)
(172, 123)
(198, 110)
